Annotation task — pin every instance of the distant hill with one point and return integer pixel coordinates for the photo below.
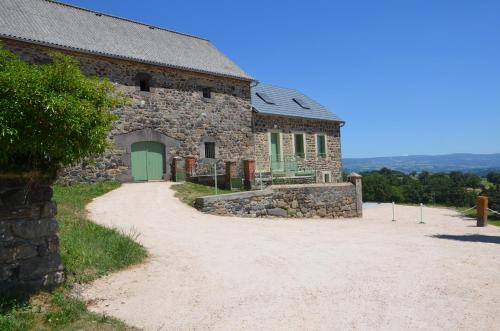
(475, 163)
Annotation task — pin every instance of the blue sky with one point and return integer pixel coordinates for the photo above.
(408, 76)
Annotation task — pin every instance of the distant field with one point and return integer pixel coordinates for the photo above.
(479, 164)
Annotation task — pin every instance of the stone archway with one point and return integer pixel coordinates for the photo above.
(125, 141)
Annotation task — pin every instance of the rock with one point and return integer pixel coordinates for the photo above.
(279, 212)
(295, 204)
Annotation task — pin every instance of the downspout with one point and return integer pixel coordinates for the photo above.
(253, 120)
(340, 156)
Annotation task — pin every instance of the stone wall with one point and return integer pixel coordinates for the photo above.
(333, 200)
(29, 246)
(246, 204)
(287, 127)
(174, 107)
(317, 200)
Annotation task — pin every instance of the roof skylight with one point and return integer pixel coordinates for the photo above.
(265, 98)
(301, 103)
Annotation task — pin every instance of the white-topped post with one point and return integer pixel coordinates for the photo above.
(393, 212)
(422, 213)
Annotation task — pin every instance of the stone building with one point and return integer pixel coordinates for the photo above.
(294, 133)
(187, 98)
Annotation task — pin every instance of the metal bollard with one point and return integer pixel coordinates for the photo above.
(421, 214)
(393, 207)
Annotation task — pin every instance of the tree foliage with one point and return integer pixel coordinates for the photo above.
(51, 115)
(455, 189)
(493, 193)
(494, 178)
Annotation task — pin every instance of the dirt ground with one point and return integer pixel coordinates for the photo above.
(222, 273)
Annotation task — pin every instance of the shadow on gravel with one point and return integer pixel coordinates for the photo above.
(469, 237)
(460, 216)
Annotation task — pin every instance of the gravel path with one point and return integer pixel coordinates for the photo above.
(222, 273)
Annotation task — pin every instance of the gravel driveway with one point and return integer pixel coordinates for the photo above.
(220, 273)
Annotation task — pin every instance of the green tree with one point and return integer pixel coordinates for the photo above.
(413, 191)
(494, 198)
(494, 178)
(376, 187)
(51, 115)
(494, 192)
(472, 181)
(382, 186)
(454, 189)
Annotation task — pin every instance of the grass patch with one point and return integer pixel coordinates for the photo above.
(53, 311)
(88, 251)
(188, 192)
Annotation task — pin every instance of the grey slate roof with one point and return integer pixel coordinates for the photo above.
(284, 105)
(64, 26)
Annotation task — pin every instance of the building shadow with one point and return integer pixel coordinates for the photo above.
(469, 237)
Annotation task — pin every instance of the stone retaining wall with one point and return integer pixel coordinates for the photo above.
(29, 246)
(320, 200)
(250, 203)
(302, 201)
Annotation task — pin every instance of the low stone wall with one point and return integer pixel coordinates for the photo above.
(29, 246)
(302, 201)
(317, 200)
(249, 203)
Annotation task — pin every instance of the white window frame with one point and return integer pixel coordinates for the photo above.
(205, 149)
(304, 140)
(323, 173)
(316, 145)
(208, 139)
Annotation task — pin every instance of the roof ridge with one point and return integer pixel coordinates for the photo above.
(124, 19)
(284, 88)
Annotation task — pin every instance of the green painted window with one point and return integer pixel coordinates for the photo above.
(299, 145)
(321, 146)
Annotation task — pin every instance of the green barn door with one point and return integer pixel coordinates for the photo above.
(139, 163)
(155, 161)
(147, 160)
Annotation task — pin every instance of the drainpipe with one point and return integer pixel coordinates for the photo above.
(253, 120)
(341, 124)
